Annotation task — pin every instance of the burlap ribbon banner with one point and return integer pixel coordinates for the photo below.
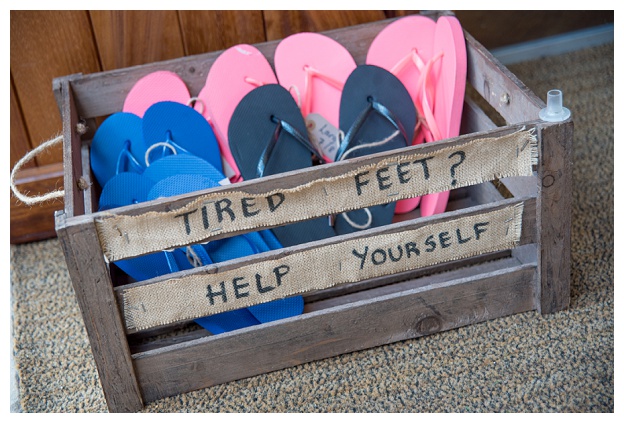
(200, 294)
(399, 177)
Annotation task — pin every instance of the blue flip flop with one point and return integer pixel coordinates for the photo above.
(268, 135)
(174, 128)
(124, 189)
(182, 163)
(118, 147)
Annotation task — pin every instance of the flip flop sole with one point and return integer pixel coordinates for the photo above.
(181, 126)
(223, 250)
(125, 189)
(120, 131)
(181, 163)
(236, 72)
(450, 85)
(396, 42)
(313, 66)
(252, 128)
(403, 47)
(370, 83)
(153, 88)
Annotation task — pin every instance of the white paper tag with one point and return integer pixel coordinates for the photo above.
(323, 135)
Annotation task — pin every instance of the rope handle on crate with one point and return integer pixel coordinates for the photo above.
(28, 157)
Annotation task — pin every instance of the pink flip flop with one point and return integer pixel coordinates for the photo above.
(404, 47)
(153, 88)
(444, 87)
(314, 68)
(236, 72)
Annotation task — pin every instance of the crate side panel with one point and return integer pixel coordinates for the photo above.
(100, 314)
(554, 216)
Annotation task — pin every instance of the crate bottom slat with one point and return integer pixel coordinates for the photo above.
(214, 360)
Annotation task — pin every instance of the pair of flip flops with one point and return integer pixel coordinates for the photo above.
(262, 118)
(429, 57)
(163, 149)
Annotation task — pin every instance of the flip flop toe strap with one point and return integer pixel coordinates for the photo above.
(282, 125)
(310, 73)
(126, 161)
(349, 139)
(346, 147)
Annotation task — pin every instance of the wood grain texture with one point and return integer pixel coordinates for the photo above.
(474, 118)
(34, 223)
(134, 37)
(103, 93)
(554, 215)
(408, 314)
(45, 45)
(452, 273)
(20, 144)
(72, 154)
(93, 287)
(282, 23)
(205, 31)
(498, 86)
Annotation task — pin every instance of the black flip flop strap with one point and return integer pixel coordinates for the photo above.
(291, 130)
(357, 125)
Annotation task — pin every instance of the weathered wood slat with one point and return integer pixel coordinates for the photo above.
(141, 342)
(72, 152)
(429, 276)
(91, 199)
(409, 314)
(499, 87)
(452, 273)
(94, 292)
(484, 193)
(474, 119)
(554, 216)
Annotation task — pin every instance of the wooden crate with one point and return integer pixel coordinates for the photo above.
(139, 366)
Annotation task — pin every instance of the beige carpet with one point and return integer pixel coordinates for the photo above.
(523, 363)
